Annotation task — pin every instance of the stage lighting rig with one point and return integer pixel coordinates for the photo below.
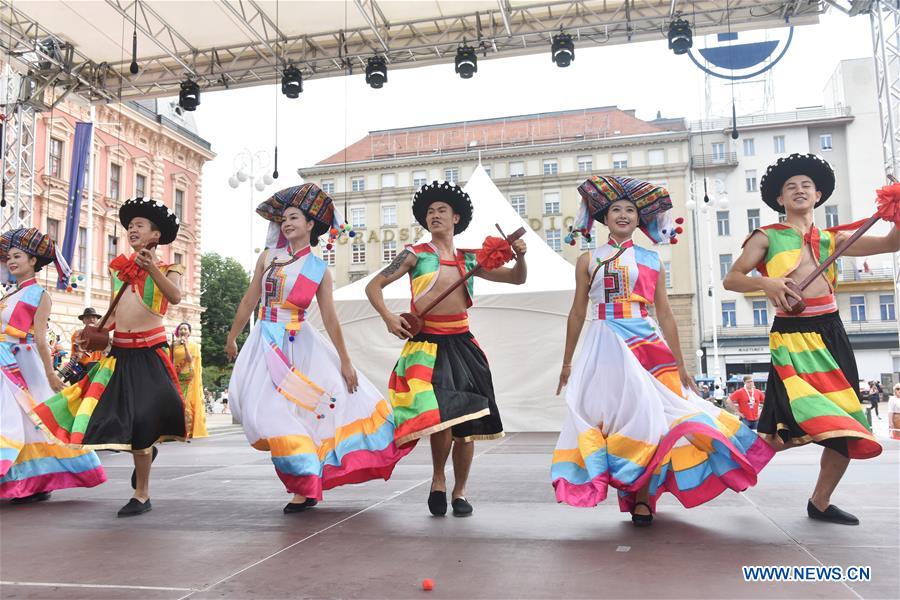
(376, 72)
(466, 61)
(292, 82)
(562, 49)
(680, 36)
(189, 96)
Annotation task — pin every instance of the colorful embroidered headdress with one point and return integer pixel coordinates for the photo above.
(652, 202)
(34, 243)
(315, 203)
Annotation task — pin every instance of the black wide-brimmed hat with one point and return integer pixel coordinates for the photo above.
(813, 166)
(154, 211)
(447, 192)
(88, 312)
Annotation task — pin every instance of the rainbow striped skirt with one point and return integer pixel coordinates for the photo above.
(630, 425)
(811, 395)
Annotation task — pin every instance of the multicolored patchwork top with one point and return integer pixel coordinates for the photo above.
(424, 275)
(17, 312)
(289, 285)
(786, 247)
(144, 286)
(622, 286)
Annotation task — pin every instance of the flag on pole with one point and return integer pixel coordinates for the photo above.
(80, 156)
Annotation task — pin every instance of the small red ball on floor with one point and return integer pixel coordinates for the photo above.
(427, 584)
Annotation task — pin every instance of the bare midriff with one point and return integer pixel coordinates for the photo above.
(807, 265)
(133, 315)
(453, 304)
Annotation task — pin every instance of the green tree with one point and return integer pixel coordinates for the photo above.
(222, 285)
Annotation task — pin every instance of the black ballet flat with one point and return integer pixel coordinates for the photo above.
(134, 472)
(39, 497)
(437, 503)
(641, 520)
(310, 502)
(135, 507)
(295, 507)
(832, 514)
(462, 508)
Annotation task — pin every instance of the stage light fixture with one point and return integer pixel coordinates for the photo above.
(376, 72)
(292, 82)
(189, 96)
(466, 61)
(562, 49)
(680, 36)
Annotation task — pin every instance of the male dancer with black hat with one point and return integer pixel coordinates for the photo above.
(131, 400)
(812, 391)
(441, 385)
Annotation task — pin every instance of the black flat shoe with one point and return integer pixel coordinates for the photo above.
(39, 497)
(135, 507)
(641, 520)
(461, 507)
(310, 502)
(296, 507)
(134, 473)
(832, 514)
(437, 503)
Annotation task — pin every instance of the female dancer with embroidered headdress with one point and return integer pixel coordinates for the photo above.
(185, 355)
(635, 421)
(296, 395)
(31, 463)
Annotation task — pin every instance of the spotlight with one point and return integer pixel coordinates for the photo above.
(189, 96)
(562, 50)
(680, 36)
(292, 82)
(376, 72)
(466, 61)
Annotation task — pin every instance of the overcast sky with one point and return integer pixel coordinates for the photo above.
(332, 113)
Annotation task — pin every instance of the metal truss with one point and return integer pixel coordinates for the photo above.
(885, 19)
(502, 31)
(17, 148)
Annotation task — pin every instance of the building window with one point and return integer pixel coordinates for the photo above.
(831, 216)
(825, 142)
(554, 240)
(487, 170)
(82, 249)
(752, 220)
(112, 248)
(517, 169)
(749, 147)
(178, 258)
(668, 266)
(656, 157)
(54, 165)
(724, 227)
(451, 174)
(389, 216)
(551, 203)
(620, 160)
(724, 264)
(857, 308)
(388, 250)
(140, 185)
(420, 178)
(718, 151)
(888, 312)
(518, 203)
(779, 144)
(750, 180)
(760, 312)
(115, 179)
(358, 184)
(585, 164)
(388, 180)
(551, 167)
(358, 217)
(358, 253)
(53, 229)
(328, 256)
(729, 315)
(179, 204)
(782, 217)
(328, 186)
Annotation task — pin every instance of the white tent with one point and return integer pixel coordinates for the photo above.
(522, 328)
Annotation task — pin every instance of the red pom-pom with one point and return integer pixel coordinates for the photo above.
(679, 220)
(333, 232)
(494, 253)
(889, 203)
(427, 584)
(126, 268)
(679, 230)
(674, 240)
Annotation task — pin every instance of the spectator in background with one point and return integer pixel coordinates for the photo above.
(894, 413)
(749, 402)
(874, 396)
(719, 393)
(704, 392)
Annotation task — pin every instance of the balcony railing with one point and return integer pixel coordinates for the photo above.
(793, 116)
(870, 326)
(708, 161)
(875, 274)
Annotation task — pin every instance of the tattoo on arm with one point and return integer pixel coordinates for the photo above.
(396, 264)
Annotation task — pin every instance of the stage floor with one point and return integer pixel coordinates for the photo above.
(217, 531)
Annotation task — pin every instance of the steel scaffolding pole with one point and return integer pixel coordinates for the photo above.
(17, 157)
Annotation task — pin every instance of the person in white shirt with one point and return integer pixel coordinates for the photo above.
(893, 412)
